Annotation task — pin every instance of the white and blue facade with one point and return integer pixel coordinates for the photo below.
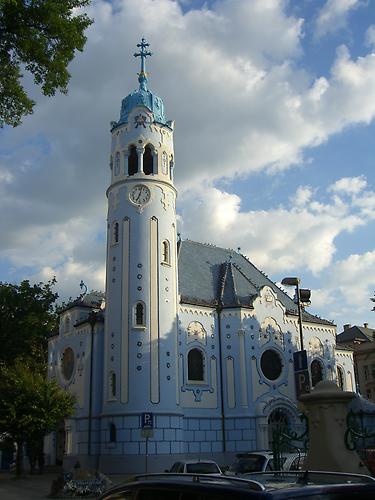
(191, 333)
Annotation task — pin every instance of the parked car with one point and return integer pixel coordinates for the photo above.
(195, 466)
(207, 487)
(261, 461)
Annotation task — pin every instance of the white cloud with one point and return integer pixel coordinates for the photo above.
(349, 185)
(348, 286)
(333, 15)
(302, 196)
(298, 235)
(370, 36)
(231, 77)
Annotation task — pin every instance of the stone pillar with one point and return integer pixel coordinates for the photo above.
(140, 152)
(326, 408)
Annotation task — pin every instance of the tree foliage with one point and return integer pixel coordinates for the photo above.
(40, 36)
(30, 405)
(373, 300)
(27, 317)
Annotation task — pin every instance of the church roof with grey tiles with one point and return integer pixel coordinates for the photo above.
(213, 276)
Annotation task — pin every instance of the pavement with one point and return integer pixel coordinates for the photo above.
(34, 487)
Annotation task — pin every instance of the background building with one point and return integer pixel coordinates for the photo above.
(361, 340)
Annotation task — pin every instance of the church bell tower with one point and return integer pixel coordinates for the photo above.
(141, 288)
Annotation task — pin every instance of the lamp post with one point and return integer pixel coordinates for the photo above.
(301, 372)
(302, 295)
(295, 282)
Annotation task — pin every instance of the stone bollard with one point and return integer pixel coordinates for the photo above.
(326, 410)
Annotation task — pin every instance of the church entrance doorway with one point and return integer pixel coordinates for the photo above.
(278, 423)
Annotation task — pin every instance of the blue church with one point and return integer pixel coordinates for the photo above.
(190, 351)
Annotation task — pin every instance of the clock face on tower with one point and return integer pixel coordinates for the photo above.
(140, 195)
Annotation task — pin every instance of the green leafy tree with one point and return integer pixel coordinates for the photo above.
(40, 36)
(30, 407)
(27, 317)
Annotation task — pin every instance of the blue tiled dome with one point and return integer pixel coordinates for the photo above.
(142, 97)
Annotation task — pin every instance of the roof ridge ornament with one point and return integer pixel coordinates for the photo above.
(142, 76)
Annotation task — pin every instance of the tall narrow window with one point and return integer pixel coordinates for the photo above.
(195, 366)
(115, 229)
(113, 384)
(117, 163)
(67, 324)
(132, 160)
(166, 253)
(171, 166)
(148, 160)
(112, 433)
(316, 372)
(340, 377)
(139, 314)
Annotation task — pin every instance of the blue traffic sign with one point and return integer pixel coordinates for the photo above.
(300, 360)
(301, 373)
(147, 420)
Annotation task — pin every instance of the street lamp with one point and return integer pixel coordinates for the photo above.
(302, 296)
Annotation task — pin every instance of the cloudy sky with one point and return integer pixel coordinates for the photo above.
(274, 103)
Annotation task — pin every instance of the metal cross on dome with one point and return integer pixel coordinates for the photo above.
(143, 53)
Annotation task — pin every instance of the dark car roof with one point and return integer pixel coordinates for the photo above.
(203, 487)
(162, 487)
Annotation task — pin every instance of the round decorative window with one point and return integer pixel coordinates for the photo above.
(270, 363)
(67, 364)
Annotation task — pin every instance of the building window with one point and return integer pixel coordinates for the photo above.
(171, 166)
(67, 363)
(139, 314)
(117, 163)
(316, 372)
(113, 384)
(166, 252)
(67, 324)
(340, 377)
(195, 366)
(365, 372)
(68, 442)
(115, 229)
(132, 160)
(112, 433)
(148, 160)
(270, 364)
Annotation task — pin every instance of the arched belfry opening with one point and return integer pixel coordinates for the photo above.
(132, 160)
(148, 160)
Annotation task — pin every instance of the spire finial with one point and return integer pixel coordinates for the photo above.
(142, 76)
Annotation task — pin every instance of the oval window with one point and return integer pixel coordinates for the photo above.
(67, 365)
(271, 365)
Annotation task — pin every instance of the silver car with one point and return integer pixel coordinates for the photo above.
(195, 466)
